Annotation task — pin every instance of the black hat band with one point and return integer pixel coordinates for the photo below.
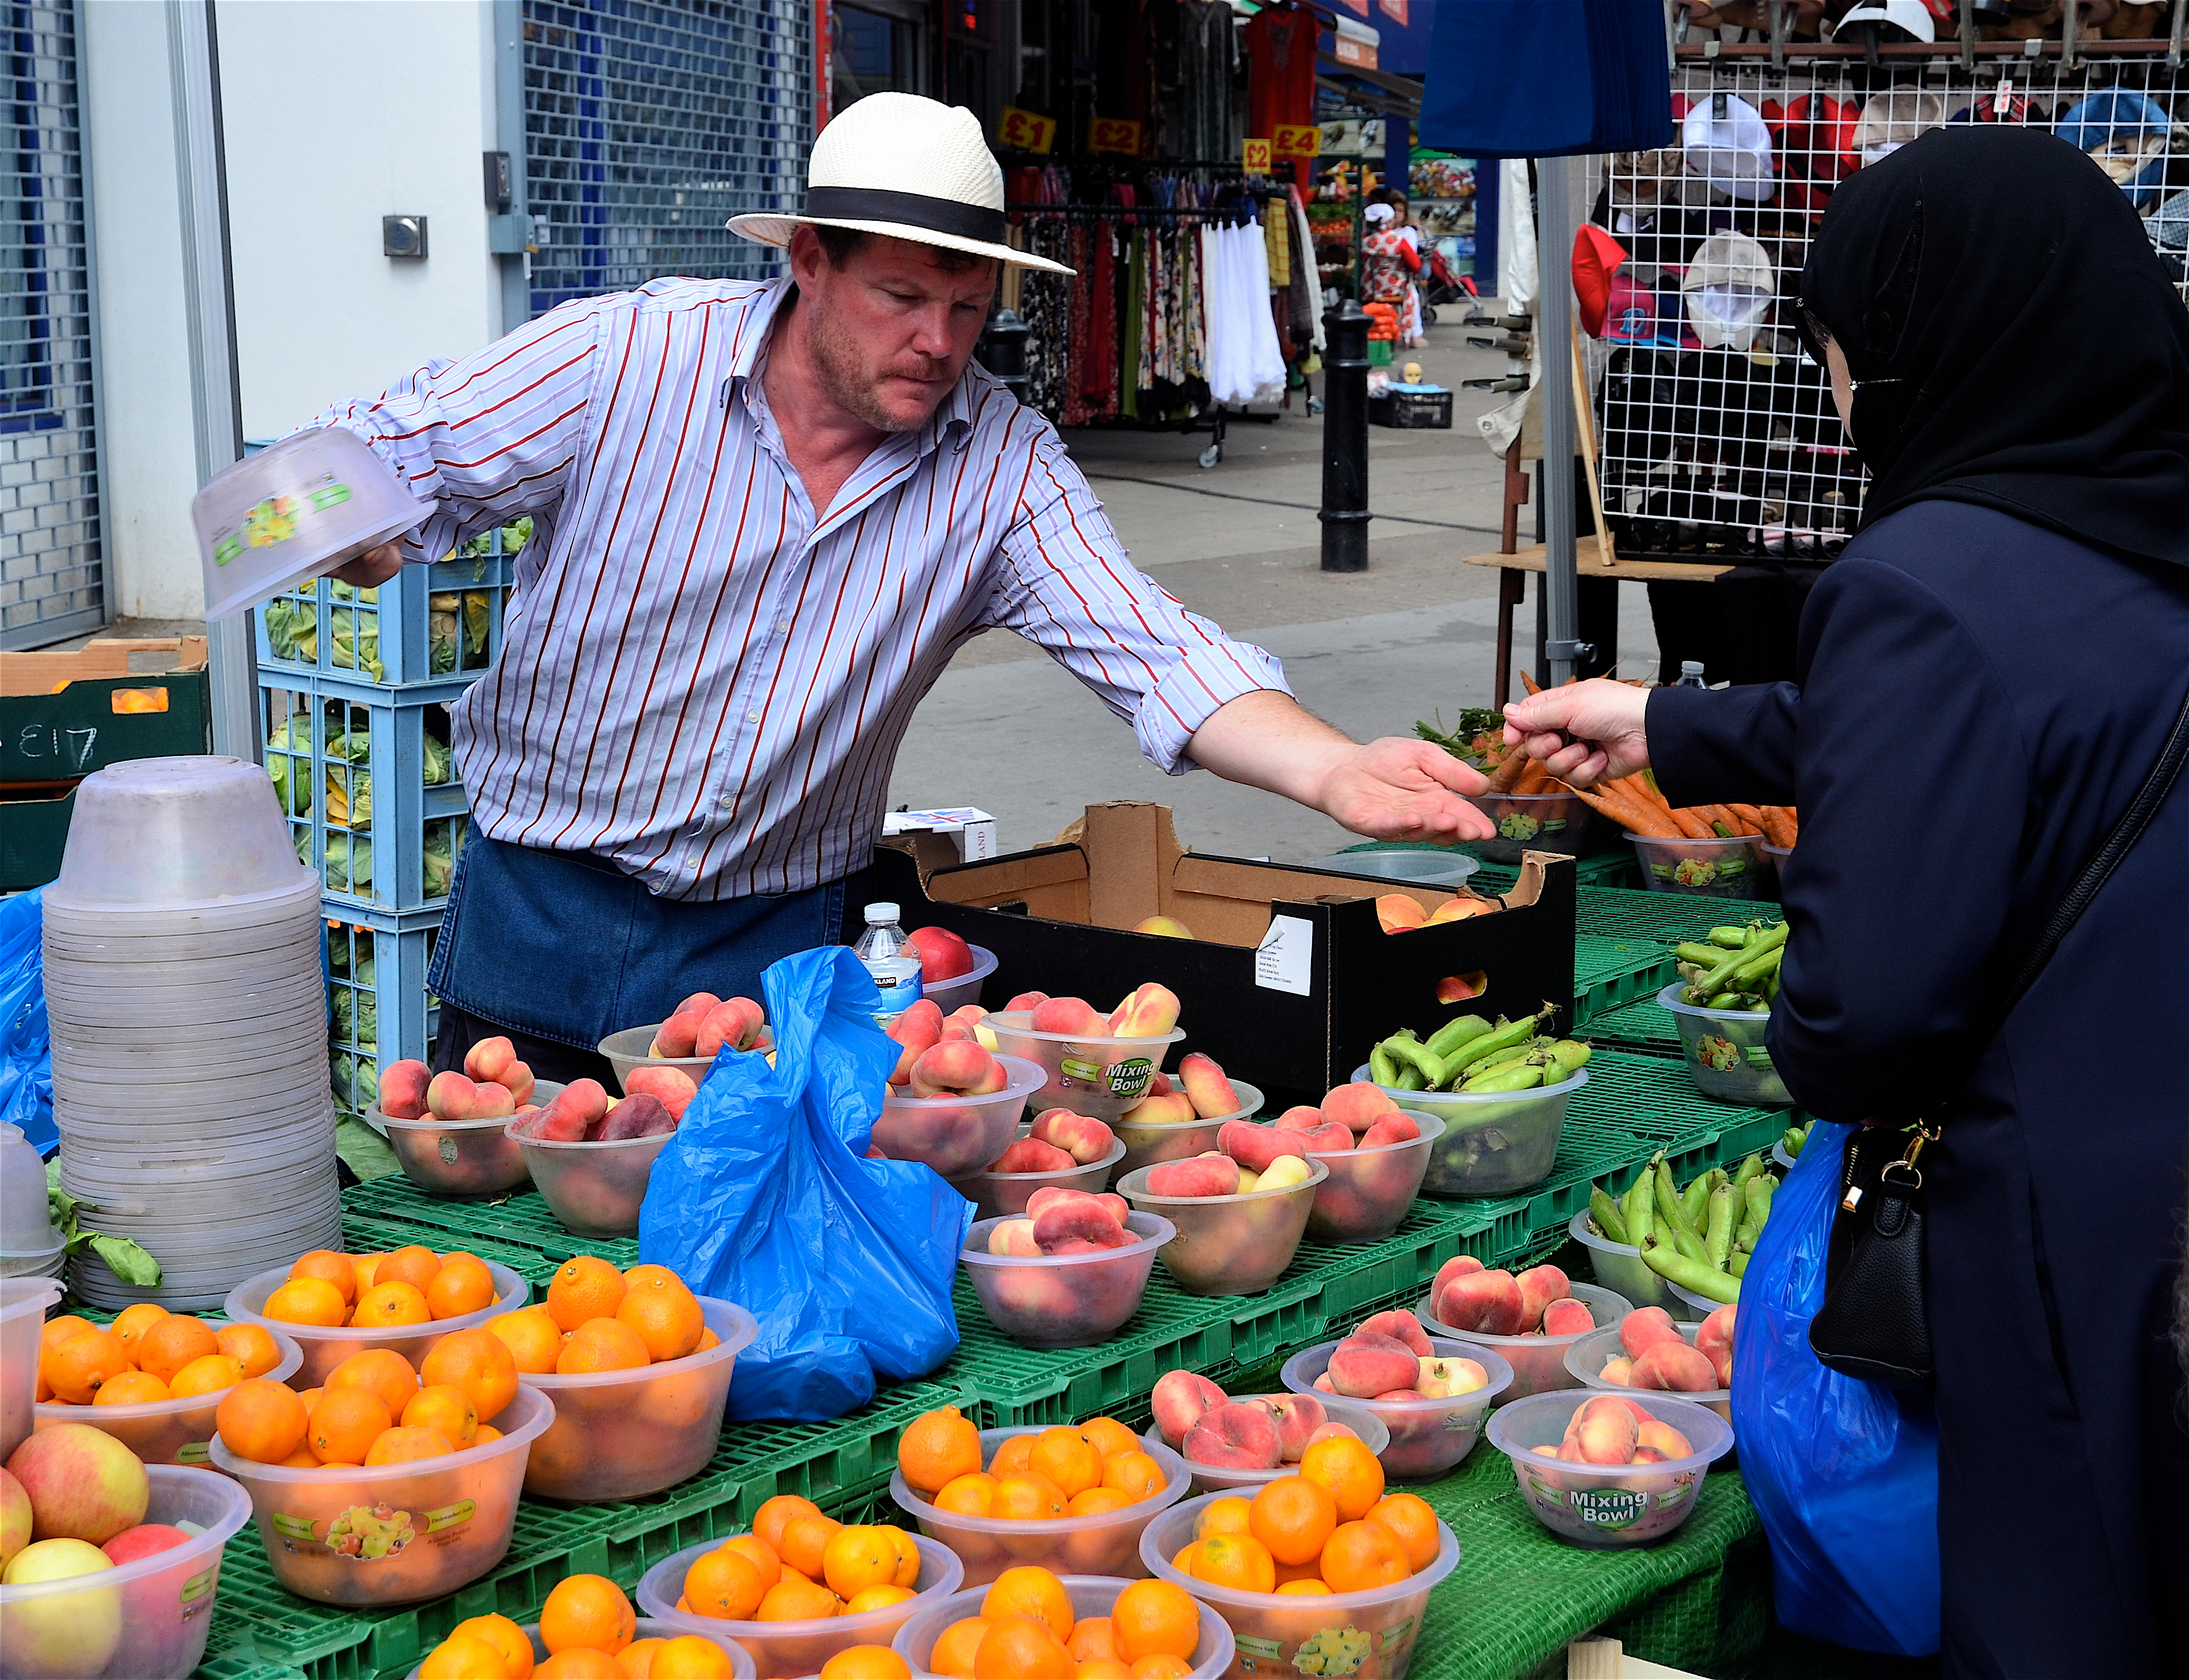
(913, 210)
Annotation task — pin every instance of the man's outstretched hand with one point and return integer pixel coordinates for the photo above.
(1585, 733)
(1400, 789)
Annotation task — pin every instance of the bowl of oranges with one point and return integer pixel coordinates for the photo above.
(152, 1378)
(587, 1631)
(389, 1483)
(801, 1588)
(1113, 1629)
(638, 1368)
(336, 1304)
(1073, 1498)
(1312, 1580)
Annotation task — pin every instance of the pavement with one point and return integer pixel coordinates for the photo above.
(1007, 730)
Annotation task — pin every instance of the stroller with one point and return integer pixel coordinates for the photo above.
(1439, 284)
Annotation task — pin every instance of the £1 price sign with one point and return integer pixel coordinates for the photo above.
(1024, 131)
(1112, 133)
(1297, 139)
(1254, 157)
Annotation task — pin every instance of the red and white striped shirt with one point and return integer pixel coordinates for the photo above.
(702, 678)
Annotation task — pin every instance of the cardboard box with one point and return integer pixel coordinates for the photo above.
(63, 716)
(34, 825)
(1290, 978)
(961, 833)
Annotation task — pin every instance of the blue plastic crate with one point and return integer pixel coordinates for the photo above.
(379, 1010)
(428, 624)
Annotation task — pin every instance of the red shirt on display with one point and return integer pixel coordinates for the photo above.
(1281, 43)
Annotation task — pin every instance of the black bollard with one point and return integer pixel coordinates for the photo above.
(1344, 512)
(1002, 350)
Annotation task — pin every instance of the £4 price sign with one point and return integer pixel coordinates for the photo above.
(1024, 131)
(1254, 157)
(1297, 139)
(1112, 133)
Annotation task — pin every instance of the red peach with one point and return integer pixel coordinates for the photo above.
(1457, 988)
(1327, 1139)
(1171, 1108)
(1390, 1128)
(1323, 1383)
(1643, 1328)
(641, 1115)
(1026, 1000)
(1080, 1217)
(673, 1085)
(1675, 1366)
(1618, 1369)
(1119, 1206)
(1148, 1011)
(957, 1067)
(402, 1090)
(1663, 1438)
(1647, 1455)
(1074, 1016)
(1401, 1326)
(1302, 1117)
(1180, 1400)
(454, 1097)
(1568, 1317)
(1014, 1237)
(1715, 1341)
(1254, 1147)
(676, 1036)
(1605, 1431)
(1031, 1155)
(1357, 1106)
(1085, 1139)
(1364, 1366)
(1459, 1265)
(577, 1107)
(495, 1059)
(1398, 913)
(942, 954)
(1487, 1302)
(1115, 1206)
(1540, 1286)
(1160, 1084)
(734, 1022)
(1212, 1092)
(1236, 1436)
(1298, 1417)
(964, 1022)
(918, 1029)
(1333, 1430)
(1200, 1175)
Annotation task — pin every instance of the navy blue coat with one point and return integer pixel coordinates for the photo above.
(1978, 700)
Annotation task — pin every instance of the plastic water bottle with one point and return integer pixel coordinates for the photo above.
(892, 960)
(1691, 675)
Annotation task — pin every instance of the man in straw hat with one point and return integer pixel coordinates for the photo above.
(765, 515)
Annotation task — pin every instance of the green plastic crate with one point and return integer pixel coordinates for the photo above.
(521, 1219)
(1605, 869)
(362, 1233)
(1666, 917)
(1645, 1028)
(1609, 973)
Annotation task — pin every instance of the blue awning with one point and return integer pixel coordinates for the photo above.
(1547, 78)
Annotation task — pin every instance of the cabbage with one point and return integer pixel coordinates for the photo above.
(440, 763)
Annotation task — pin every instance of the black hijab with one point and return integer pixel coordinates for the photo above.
(2014, 340)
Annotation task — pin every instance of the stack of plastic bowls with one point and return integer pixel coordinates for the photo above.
(185, 988)
(30, 1246)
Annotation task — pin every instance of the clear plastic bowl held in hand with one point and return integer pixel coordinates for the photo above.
(1105, 1543)
(1003, 1195)
(646, 1627)
(168, 1431)
(393, 1533)
(143, 1620)
(1585, 1360)
(1495, 1142)
(1607, 1507)
(326, 1347)
(1560, 822)
(1148, 1143)
(1705, 869)
(1097, 1076)
(1369, 1190)
(784, 1648)
(1376, 1631)
(1064, 1300)
(1427, 1436)
(1724, 1051)
(461, 1157)
(1230, 1245)
(1218, 1478)
(1538, 1361)
(595, 1189)
(617, 1435)
(1091, 1595)
(1619, 1266)
(957, 1135)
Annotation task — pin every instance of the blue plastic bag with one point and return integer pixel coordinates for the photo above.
(26, 1050)
(764, 1197)
(1844, 1473)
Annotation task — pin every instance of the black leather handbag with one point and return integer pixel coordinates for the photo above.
(1876, 1320)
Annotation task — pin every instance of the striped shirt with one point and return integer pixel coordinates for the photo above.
(703, 679)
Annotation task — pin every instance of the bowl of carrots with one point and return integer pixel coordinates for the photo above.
(1704, 851)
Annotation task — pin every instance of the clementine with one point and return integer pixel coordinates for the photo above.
(1362, 1555)
(1237, 1560)
(207, 1374)
(167, 1347)
(414, 1266)
(1153, 1618)
(336, 1268)
(865, 1662)
(251, 1346)
(806, 1543)
(1030, 1591)
(461, 1656)
(1109, 1438)
(1017, 1649)
(856, 1556)
(664, 1312)
(1028, 1498)
(307, 1300)
(959, 1649)
(391, 1303)
(345, 1425)
(689, 1657)
(379, 1371)
(1409, 1516)
(462, 1285)
(973, 1495)
(80, 1365)
(134, 1321)
(506, 1636)
(602, 1345)
(401, 1445)
(584, 1287)
(1353, 1474)
(775, 1514)
(1294, 1516)
(588, 1610)
(1066, 1458)
(936, 1448)
(1134, 1473)
(792, 1599)
(261, 1420)
(132, 1387)
(757, 1553)
(724, 1584)
(446, 1407)
(477, 1361)
(533, 1338)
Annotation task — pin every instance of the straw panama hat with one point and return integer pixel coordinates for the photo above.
(906, 168)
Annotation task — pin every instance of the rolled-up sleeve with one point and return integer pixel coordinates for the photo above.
(1067, 586)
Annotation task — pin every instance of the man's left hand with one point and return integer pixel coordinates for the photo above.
(1400, 789)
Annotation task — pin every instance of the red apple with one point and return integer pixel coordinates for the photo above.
(942, 954)
(142, 1541)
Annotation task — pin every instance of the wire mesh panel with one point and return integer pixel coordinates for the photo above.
(648, 125)
(51, 581)
(1718, 438)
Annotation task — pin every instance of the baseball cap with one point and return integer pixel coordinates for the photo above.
(1728, 287)
(1891, 119)
(1911, 15)
(2127, 134)
(1725, 141)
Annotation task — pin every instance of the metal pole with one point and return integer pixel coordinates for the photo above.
(1344, 512)
(1556, 222)
(209, 309)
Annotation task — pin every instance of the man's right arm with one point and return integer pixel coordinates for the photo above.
(485, 439)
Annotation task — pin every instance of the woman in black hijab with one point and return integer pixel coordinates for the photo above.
(1985, 679)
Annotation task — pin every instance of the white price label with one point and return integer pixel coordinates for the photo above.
(1283, 960)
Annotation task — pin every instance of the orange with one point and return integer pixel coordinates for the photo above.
(723, 1584)
(1093, 1639)
(1028, 1498)
(336, 1268)
(131, 1323)
(462, 1657)
(414, 1266)
(463, 1285)
(1229, 1515)
(908, 1555)
(167, 1347)
(584, 1287)
(602, 1345)
(806, 1543)
(588, 1610)
(1161, 1666)
(261, 1420)
(365, 1270)
(1015, 1457)
(580, 1662)
(399, 1446)
(1306, 1585)
(1186, 1559)
(1097, 1501)
(83, 1363)
(794, 1600)
(1294, 1516)
(936, 1448)
(250, 1345)
(1104, 1668)
(446, 1407)
(487, 1433)
(635, 1659)
(689, 1657)
(1109, 1438)
(311, 1397)
(1408, 1516)
(378, 1370)
(1153, 1618)
(856, 1557)
(304, 1458)
(391, 1304)
(1016, 1648)
(58, 1330)
(664, 1314)
(956, 1651)
(1032, 1591)
(775, 1514)
(1065, 1458)
(1353, 1474)
(757, 1553)
(307, 1300)
(1360, 1556)
(533, 1338)
(506, 1636)
(477, 1361)
(878, 1598)
(132, 1387)
(345, 1424)
(1237, 1560)
(207, 1374)
(1134, 1473)
(865, 1662)
(968, 1495)
(707, 1339)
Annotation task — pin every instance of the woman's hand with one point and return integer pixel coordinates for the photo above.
(1604, 721)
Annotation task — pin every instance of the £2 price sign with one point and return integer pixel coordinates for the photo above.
(1254, 157)
(1115, 134)
(1020, 130)
(1297, 139)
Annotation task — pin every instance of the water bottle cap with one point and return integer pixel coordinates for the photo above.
(881, 915)
(1691, 667)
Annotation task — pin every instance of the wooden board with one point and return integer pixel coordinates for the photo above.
(1530, 559)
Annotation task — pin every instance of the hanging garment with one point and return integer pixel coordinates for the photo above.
(1307, 284)
(1207, 52)
(1279, 42)
(1243, 355)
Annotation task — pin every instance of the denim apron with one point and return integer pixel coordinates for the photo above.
(568, 948)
